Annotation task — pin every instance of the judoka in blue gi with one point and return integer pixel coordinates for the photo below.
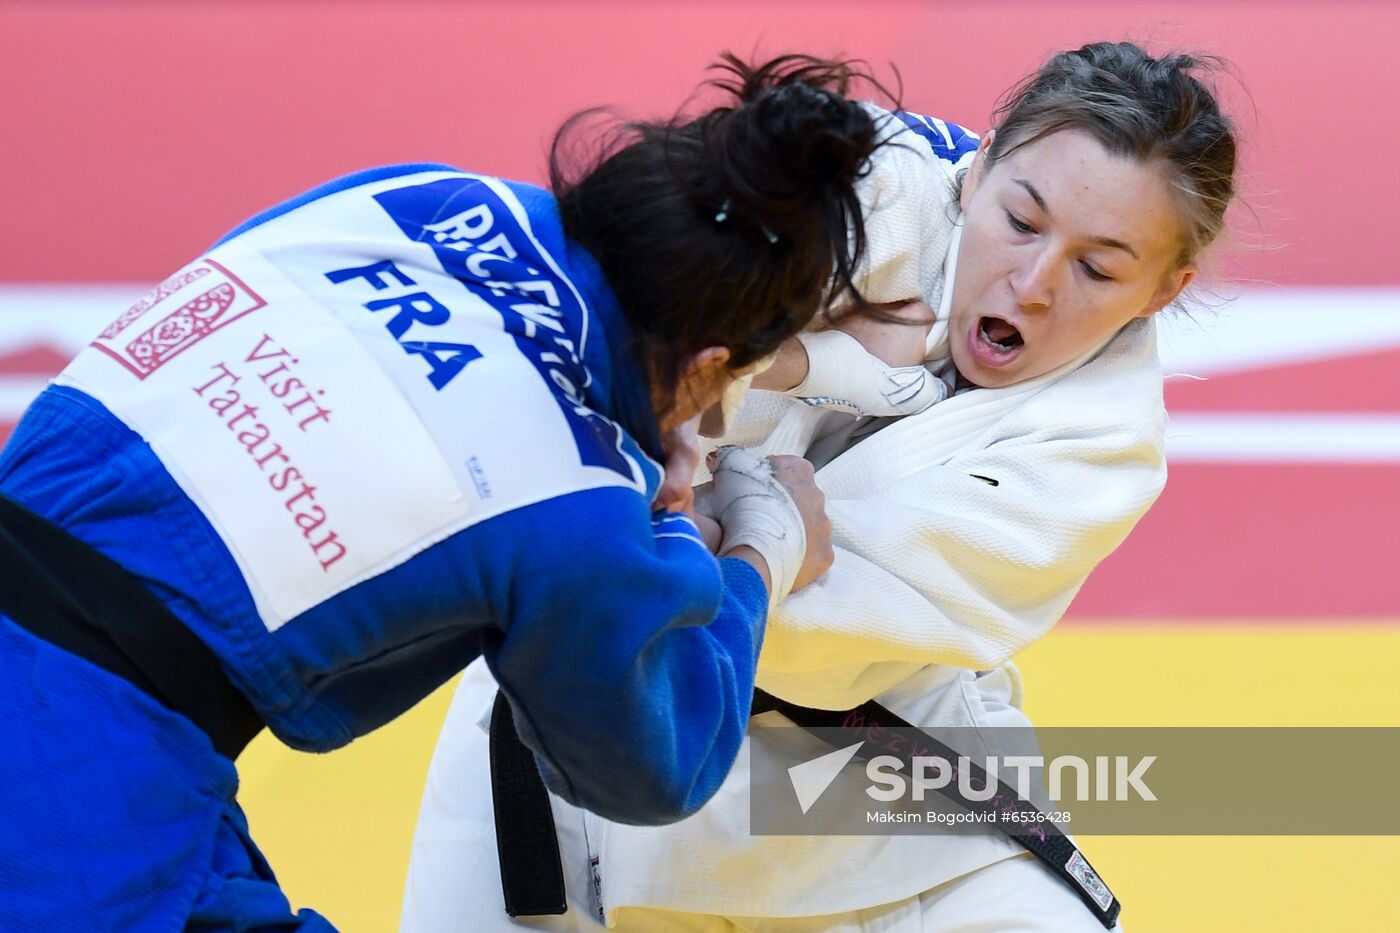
(408, 418)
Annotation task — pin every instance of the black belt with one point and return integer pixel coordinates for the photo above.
(531, 876)
(71, 595)
(1046, 842)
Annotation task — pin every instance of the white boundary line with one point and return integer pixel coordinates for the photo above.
(1265, 327)
(1273, 438)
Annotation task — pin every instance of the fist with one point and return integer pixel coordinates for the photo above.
(799, 479)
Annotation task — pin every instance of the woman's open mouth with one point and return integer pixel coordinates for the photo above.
(995, 342)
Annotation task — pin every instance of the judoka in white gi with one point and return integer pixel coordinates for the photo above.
(962, 533)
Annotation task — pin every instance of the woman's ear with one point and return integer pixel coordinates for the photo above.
(1171, 287)
(975, 172)
(704, 375)
(705, 365)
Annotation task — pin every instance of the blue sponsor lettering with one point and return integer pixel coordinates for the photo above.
(417, 308)
(479, 240)
(373, 274)
(445, 360)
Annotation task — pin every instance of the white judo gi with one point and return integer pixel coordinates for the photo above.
(961, 534)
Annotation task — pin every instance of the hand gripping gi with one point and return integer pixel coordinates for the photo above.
(756, 510)
(843, 375)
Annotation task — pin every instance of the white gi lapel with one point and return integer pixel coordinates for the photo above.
(929, 439)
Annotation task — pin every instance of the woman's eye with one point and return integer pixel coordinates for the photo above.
(1095, 274)
(1017, 224)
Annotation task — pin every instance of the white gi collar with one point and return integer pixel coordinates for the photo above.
(936, 346)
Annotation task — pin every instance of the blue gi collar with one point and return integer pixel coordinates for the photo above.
(619, 387)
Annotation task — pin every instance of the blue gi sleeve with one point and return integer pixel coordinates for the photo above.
(628, 652)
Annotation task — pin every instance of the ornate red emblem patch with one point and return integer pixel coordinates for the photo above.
(177, 314)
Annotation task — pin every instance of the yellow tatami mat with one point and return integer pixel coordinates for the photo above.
(337, 827)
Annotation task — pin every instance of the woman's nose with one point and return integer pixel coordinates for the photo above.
(1032, 282)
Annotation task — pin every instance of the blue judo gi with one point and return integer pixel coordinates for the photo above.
(374, 433)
